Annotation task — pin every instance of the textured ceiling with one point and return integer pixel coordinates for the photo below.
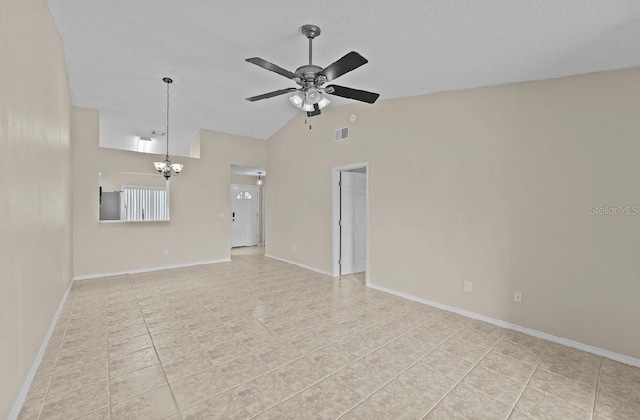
(117, 52)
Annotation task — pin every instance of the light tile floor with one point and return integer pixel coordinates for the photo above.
(360, 277)
(257, 338)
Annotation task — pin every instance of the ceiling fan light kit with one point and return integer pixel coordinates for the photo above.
(311, 96)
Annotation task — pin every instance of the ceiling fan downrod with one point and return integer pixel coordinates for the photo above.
(310, 31)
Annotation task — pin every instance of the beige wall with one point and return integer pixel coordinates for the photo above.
(198, 196)
(35, 214)
(245, 179)
(490, 185)
(114, 181)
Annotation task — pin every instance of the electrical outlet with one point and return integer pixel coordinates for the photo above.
(517, 297)
(64, 274)
(166, 251)
(468, 286)
(374, 220)
(294, 248)
(221, 215)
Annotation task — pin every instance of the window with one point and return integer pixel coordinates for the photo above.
(244, 195)
(144, 203)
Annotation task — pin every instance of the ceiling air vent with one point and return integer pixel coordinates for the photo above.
(341, 134)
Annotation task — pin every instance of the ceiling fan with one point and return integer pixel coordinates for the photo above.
(310, 96)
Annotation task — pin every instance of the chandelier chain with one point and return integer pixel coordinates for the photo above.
(168, 120)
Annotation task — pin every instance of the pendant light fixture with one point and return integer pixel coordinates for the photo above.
(166, 168)
(259, 182)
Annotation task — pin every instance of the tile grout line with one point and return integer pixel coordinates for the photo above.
(70, 316)
(582, 408)
(395, 314)
(153, 345)
(394, 377)
(316, 350)
(273, 370)
(529, 380)
(212, 363)
(465, 375)
(214, 367)
(55, 364)
(536, 368)
(251, 352)
(595, 397)
(321, 348)
(106, 320)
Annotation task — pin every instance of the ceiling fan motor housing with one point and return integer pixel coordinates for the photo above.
(307, 75)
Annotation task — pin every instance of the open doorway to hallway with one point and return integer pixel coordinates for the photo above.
(350, 221)
(247, 251)
(247, 209)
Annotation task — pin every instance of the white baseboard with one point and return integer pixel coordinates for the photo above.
(503, 324)
(148, 269)
(17, 405)
(317, 270)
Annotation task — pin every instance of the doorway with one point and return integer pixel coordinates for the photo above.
(350, 221)
(244, 215)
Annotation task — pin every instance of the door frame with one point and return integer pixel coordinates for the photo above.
(335, 227)
(257, 216)
(263, 216)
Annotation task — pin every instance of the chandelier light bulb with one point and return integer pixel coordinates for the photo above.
(313, 96)
(324, 101)
(297, 99)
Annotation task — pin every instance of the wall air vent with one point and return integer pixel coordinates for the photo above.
(341, 134)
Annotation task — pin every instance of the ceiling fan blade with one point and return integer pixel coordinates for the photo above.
(271, 67)
(271, 94)
(358, 95)
(349, 62)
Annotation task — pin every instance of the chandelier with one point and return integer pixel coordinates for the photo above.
(166, 168)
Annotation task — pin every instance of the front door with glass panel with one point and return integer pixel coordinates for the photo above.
(244, 215)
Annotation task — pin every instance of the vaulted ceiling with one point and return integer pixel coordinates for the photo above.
(118, 51)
